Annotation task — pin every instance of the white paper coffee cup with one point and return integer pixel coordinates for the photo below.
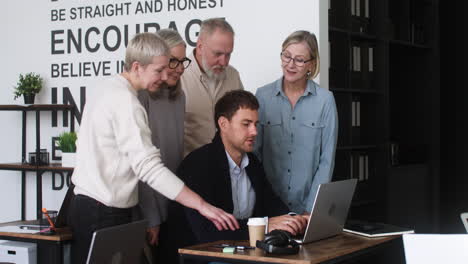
(256, 229)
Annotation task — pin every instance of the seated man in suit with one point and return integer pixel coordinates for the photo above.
(227, 174)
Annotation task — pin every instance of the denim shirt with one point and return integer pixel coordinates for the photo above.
(297, 145)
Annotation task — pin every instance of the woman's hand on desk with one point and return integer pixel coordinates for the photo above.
(293, 224)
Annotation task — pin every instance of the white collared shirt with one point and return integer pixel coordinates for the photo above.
(243, 194)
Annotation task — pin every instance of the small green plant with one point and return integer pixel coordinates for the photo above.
(66, 142)
(28, 84)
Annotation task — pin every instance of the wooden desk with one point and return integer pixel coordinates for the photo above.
(336, 249)
(49, 247)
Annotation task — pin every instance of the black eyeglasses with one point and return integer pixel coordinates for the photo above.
(174, 63)
(286, 58)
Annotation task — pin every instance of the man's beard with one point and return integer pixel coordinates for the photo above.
(211, 74)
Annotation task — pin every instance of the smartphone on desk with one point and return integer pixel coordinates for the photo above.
(30, 227)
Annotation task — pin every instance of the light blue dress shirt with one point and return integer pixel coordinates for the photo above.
(243, 194)
(297, 145)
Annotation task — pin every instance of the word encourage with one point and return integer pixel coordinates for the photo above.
(103, 30)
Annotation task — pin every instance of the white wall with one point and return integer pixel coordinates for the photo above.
(26, 28)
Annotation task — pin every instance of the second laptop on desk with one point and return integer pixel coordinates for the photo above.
(61, 219)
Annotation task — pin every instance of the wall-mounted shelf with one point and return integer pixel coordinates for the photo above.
(39, 169)
(28, 167)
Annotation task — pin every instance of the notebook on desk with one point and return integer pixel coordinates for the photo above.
(61, 219)
(329, 211)
(369, 229)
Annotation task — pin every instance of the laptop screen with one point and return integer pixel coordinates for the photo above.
(61, 220)
(119, 244)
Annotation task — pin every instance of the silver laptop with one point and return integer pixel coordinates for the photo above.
(119, 244)
(329, 211)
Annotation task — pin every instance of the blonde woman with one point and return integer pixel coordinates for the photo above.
(298, 128)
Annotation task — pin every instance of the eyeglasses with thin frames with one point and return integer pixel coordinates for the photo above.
(299, 62)
(174, 63)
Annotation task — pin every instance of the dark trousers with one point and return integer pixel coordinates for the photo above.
(87, 215)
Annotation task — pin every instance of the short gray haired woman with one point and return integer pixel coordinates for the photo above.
(298, 127)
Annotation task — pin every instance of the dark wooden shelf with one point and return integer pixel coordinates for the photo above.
(392, 99)
(353, 34)
(408, 44)
(359, 203)
(361, 35)
(357, 147)
(39, 170)
(27, 167)
(361, 91)
(34, 107)
(338, 30)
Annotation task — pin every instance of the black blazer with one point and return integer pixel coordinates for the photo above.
(206, 172)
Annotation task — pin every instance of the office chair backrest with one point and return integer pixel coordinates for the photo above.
(464, 218)
(436, 248)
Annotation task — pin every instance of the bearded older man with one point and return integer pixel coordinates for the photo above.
(207, 80)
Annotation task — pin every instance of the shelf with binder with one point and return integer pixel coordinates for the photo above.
(357, 73)
(360, 15)
(23, 166)
(351, 15)
(362, 65)
(363, 166)
(358, 119)
(383, 74)
(355, 164)
(354, 46)
(409, 20)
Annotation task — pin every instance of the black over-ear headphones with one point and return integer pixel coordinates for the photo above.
(279, 242)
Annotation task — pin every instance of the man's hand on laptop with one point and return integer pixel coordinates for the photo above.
(293, 224)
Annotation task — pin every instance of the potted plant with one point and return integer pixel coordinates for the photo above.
(28, 86)
(67, 144)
